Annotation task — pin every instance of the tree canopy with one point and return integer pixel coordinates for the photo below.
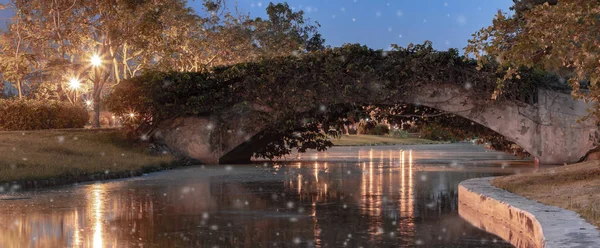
(556, 36)
(291, 96)
(50, 43)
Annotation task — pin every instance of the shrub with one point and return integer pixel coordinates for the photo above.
(371, 127)
(380, 129)
(35, 115)
(398, 133)
(437, 132)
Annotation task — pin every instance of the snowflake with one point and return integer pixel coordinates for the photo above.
(378, 13)
(419, 242)
(290, 204)
(399, 13)
(468, 86)
(61, 139)
(205, 215)
(323, 108)
(214, 227)
(297, 240)
(423, 178)
(461, 20)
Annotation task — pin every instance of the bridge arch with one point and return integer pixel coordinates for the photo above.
(548, 129)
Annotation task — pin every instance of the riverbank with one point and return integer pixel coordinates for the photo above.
(575, 187)
(374, 140)
(35, 159)
(521, 221)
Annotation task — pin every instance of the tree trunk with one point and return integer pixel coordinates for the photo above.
(19, 89)
(96, 115)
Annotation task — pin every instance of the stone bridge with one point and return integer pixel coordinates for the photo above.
(550, 129)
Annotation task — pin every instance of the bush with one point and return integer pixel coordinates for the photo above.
(379, 129)
(35, 115)
(371, 127)
(437, 133)
(398, 133)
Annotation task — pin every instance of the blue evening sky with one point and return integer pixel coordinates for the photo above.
(379, 23)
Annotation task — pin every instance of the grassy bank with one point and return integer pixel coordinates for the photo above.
(44, 158)
(371, 140)
(575, 187)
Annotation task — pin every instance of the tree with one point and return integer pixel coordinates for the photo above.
(52, 41)
(285, 32)
(557, 36)
(15, 58)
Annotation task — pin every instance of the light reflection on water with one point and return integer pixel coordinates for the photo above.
(383, 197)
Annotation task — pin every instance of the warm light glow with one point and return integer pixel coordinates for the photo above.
(97, 217)
(131, 115)
(74, 83)
(96, 60)
(89, 103)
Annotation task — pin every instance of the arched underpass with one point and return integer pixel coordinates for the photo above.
(548, 130)
(212, 116)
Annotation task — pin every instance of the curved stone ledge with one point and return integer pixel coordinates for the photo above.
(522, 222)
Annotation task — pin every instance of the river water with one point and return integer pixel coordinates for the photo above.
(386, 196)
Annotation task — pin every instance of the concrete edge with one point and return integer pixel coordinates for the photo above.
(520, 221)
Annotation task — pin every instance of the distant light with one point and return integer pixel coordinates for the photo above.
(96, 60)
(74, 83)
(88, 102)
(131, 115)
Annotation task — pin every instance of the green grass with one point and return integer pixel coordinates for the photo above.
(372, 140)
(73, 155)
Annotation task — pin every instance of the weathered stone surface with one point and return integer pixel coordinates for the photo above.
(522, 222)
(549, 129)
(198, 138)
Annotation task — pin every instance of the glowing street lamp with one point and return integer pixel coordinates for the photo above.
(95, 60)
(74, 83)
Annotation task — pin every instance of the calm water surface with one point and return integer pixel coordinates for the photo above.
(389, 196)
